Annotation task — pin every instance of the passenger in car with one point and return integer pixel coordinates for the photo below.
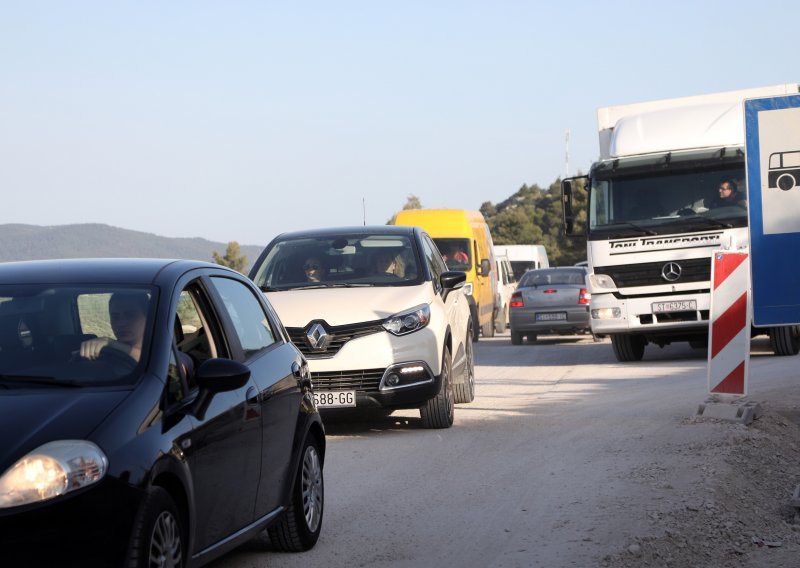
(314, 269)
(384, 263)
(128, 314)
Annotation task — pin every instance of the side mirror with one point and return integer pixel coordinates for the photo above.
(486, 267)
(566, 203)
(214, 376)
(221, 375)
(452, 280)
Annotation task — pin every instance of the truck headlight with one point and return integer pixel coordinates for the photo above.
(606, 313)
(602, 282)
(408, 321)
(51, 470)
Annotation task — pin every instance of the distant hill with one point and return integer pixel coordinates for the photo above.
(32, 242)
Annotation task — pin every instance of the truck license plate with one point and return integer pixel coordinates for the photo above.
(335, 399)
(552, 316)
(675, 306)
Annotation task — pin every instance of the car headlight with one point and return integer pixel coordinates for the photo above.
(408, 321)
(602, 282)
(51, 470)
(467, 288)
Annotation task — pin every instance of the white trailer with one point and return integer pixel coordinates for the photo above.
(523, 257)
(655, 214)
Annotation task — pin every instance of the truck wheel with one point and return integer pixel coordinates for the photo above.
(465, 391)
(476, 330)
(487, 329)
(785, 340)
(516, 338)
(439, 411)
(628, 347)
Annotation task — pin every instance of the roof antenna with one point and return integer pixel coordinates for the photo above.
(364, 209)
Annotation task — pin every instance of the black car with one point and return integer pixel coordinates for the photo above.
(153, 413)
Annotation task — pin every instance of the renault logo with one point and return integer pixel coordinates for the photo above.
(318, 338)
(671, 271)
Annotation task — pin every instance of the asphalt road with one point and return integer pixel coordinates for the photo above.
(540, 470)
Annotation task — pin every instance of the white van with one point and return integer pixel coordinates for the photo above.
(506, 284)
(523, 257)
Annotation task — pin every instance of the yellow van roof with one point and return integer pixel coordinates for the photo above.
(441, 222)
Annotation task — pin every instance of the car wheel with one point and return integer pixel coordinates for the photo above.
(516, 338)
(465, 391)
(439, 411)
(300, 526)
(500, 326)
(487, 329)
(158, 533)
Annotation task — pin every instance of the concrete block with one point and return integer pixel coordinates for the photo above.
(742, 412)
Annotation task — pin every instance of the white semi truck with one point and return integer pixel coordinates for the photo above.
(654, 215)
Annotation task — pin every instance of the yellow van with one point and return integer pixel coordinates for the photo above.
(464, 240)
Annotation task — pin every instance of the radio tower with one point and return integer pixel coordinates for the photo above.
(566, 157)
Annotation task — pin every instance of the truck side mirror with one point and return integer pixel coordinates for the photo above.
(566, 202)
(486, 267)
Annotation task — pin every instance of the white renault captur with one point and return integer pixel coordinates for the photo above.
(378, 316)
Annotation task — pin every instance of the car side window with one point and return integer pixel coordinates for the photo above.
(434, 259)
(247, 314)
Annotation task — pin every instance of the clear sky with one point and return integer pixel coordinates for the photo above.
(236, 120)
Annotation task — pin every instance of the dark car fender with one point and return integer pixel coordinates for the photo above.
(309, 423)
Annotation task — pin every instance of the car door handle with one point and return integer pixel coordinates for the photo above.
(302, 375)
(252, 395)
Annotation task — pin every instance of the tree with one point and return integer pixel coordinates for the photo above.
(412, 202)
(533, 216)
(233, 257)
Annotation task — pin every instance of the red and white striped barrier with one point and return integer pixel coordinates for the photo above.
(729, 340)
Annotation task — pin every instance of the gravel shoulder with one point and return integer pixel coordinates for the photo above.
(722, 493)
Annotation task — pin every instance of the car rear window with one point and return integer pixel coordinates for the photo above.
(553, 277)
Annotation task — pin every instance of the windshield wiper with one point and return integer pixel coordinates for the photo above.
(268, 289)
(642, 230)
(351, 285)
(39, 380)
(708, 220)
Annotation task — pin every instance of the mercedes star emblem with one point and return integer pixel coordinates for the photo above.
(671, 271)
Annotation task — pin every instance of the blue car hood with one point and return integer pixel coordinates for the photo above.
(32, 418)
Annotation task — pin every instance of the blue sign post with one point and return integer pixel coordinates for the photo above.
(772, 144)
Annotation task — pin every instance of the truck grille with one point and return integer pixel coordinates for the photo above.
(362, 380)
(649, 274)
(339, 335)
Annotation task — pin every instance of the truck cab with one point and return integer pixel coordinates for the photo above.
(656, 213)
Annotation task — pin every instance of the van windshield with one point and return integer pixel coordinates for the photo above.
(456, 253)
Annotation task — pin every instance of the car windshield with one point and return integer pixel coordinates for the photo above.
(553, 277)
(64, 336)
(340, 261)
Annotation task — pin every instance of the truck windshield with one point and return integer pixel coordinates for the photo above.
(667, 201)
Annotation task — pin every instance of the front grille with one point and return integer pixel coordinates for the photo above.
(649, 274)
(339, 335)
(362, 380)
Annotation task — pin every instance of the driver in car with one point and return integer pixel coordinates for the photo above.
(128, 314)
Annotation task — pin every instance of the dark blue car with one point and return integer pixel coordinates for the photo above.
(152, 413)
